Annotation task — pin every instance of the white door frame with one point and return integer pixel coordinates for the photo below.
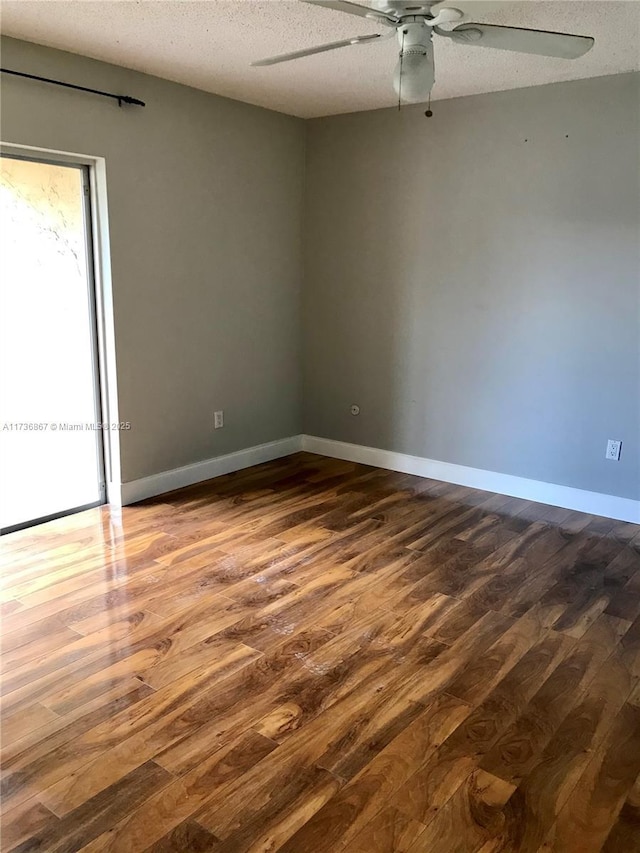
(100, 260)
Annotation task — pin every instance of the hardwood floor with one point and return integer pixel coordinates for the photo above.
(313, 656)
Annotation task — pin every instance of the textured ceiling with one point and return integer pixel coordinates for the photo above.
(211, 44)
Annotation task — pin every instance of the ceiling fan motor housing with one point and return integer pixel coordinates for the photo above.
(415, 73)
(404, 7)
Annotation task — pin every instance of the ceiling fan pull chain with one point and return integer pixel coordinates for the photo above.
(404, 33)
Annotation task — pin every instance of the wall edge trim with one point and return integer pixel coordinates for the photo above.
(567, 497)
(207, 469)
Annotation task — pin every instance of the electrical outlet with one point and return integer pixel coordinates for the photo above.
(613, 450)
(218, 420)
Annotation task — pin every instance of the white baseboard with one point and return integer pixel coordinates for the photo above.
(595, 503)
(167, 481)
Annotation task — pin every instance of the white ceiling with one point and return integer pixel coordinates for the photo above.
(210, 45)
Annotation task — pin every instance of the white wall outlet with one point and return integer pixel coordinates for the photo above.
(613, 450)
(355, 410)
(218, 420)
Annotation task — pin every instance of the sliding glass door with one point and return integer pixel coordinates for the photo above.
(50, 424)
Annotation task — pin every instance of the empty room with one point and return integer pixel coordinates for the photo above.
(320, 426)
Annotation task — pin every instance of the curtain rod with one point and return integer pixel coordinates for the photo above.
(121, 99)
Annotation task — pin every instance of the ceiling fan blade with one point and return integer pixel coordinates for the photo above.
(356, 9)
(540, 42)
(310, 51)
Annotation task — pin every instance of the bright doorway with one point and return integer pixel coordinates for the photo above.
(51, 443)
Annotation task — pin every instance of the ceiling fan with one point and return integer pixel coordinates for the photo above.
(414, 23)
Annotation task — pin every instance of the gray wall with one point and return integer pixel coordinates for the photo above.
(205, 199)
(473, 281)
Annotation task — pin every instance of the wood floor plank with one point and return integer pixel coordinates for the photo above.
(540, 797)
(586, 819)
(480, 676)
(116, 569)
(389, 832)
(173, 723)
(229, 810)
(625, 833)
(14, 658)
(518, 750)
(21, 724)
(469, 819)
(430, 787)
(91, 818)
(540, 575)
(33, 763)
(315, 655)
(132, 645)
(164, 812)
(285, 809)
(189, 836)
(66, 577)
(359, 802)
(82, 778)
(24, 821)
(62, 729)
(56, 659)
(25, 635)
(103, 597)
(630, 648)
